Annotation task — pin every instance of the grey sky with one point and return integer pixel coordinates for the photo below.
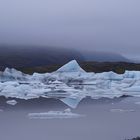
(100, 25)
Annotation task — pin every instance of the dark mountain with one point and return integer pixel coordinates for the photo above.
(97, 67)
(104, 56)
(18, 57)
(35, 56)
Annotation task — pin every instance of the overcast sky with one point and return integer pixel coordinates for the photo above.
(100, 25)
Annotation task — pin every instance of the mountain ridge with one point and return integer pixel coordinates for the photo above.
(25, 57)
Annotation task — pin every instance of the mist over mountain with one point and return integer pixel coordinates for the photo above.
(104, 56)
(36, 56)
(24, 56)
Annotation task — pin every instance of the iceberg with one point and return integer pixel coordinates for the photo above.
(11, 75)
(72, 66)
(70, 84)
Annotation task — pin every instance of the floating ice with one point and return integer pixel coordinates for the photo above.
(12, 74)
(66, 114)
(72, 66)
(11, 102)
(122, 110)
(70, 84)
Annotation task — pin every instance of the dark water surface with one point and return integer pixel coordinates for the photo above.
(100, 123)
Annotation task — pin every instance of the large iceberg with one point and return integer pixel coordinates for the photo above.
(70, 84)
(72, 66)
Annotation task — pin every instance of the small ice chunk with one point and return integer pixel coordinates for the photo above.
(66, 114)
(11, 102)
(68, 110)
(122, 110)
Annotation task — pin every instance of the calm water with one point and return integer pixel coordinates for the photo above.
(98, 124)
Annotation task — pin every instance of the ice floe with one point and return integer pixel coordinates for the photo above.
(122, 110)
(11, 102)
(66, 114)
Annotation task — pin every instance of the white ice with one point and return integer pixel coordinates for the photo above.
(66, 114)
(70, 84)
(11, 102)
(122, 110)
(72, 66)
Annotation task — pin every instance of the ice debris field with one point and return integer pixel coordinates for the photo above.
(70, 84)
